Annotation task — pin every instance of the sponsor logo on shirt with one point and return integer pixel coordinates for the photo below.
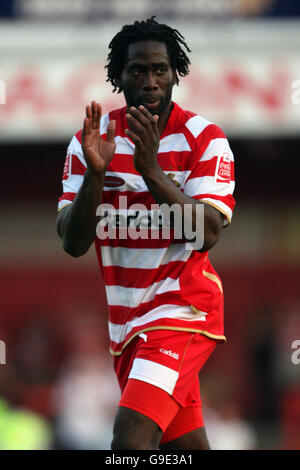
(223, 171)
(67, 167)
(113, 181)
(169, 353)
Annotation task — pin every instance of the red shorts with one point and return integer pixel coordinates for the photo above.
(158, 376)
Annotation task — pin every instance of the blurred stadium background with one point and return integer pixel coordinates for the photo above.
(57, 388)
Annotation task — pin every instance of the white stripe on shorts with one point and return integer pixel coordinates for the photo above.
(153, 373)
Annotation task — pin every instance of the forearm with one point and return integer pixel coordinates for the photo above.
(76, 224)
(165, 192)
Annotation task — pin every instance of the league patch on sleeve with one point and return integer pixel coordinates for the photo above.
(223, 170)
(67, 167)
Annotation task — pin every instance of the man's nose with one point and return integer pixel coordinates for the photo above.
(150, 81)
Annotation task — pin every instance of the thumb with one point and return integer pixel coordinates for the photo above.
(111, 129)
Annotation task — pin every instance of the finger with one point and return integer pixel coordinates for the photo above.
(152, 121)
(111, 129)
(135, 138)
(142, 118)
(85, 125)
(152, 118)
(88, 111)
(87, 122)
(86, 132)
(96, 114)
(99, 107)
(138, 128)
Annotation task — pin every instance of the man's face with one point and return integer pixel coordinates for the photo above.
(147, 77)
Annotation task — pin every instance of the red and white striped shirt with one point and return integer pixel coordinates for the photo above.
(159, 283)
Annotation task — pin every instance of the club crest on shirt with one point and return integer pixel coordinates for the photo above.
(171, 177)
(223, 170)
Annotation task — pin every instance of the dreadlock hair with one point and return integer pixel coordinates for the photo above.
(148, 30)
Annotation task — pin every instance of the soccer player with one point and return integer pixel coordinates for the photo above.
(165, 299)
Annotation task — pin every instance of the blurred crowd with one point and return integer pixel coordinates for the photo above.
(58, 390)
(88, 10)
(57, 387)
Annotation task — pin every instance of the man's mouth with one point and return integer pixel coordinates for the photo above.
(150, 103)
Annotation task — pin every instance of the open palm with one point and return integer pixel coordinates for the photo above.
(98, 152)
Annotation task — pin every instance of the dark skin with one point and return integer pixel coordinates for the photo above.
(134, 431)
(147, 81)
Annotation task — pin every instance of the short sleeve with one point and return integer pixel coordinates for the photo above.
(211, 178)
(73, 173)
